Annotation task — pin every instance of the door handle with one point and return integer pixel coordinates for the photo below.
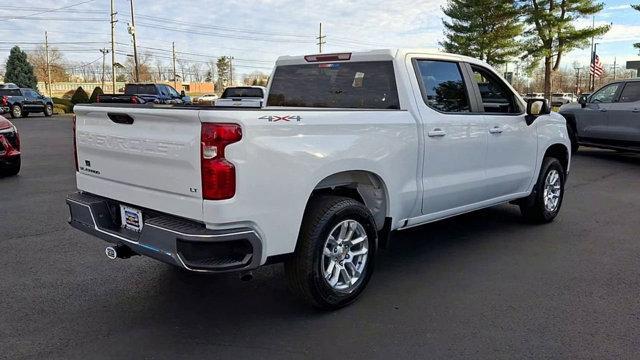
(437, 132)
(636, 110)
(495, 130)
(603, 110)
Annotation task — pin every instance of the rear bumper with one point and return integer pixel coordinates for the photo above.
(170, 239)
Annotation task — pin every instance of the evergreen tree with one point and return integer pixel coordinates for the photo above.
(80, 96)
(224, 72)
(19, 70)
(637, 7)
(483, 29)
(94, 95)
(551, 32)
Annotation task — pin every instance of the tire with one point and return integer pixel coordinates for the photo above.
(309, 271)
(16, 111)
(48, 110)
(573, 136)
(534, 208)
(13, 168)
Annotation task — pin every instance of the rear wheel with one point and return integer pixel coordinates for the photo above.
(334, 258)
(16, 111)
(543, 205)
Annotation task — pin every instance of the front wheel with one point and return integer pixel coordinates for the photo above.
(334, 258)
(48, 110)
(12, 168)
(573, 137)
(543, 205)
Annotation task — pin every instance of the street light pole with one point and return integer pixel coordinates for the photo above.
(46, 50)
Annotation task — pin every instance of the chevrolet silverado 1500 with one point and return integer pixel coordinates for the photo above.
(349, 148)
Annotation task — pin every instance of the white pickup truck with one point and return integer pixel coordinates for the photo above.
(242, 96)
(349, 148)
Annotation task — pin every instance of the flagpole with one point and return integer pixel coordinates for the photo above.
(592, 77)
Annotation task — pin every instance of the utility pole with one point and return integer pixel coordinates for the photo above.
(132, 31)
(577, 69)
(46, 50)
(104, 55)
(615, 65)
(321, 40)
(231, 70)
(113, 47)
(175, 83)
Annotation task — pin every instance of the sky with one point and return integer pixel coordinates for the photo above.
(256, 32)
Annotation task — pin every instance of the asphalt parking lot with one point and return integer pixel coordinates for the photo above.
(481, 286)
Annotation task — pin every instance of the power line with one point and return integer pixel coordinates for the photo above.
(56, 9)
(227, 36)
(57, 19)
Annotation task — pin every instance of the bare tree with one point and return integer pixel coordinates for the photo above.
(38, 59)
(144, 67)
(196, 72)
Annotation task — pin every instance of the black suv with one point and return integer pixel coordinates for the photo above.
(19, 102)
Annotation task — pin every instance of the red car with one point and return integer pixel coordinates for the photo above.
(9, 148)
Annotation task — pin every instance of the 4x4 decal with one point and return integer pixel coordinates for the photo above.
(276, 118)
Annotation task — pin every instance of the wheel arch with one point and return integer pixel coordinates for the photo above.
(560, 152)
(364, 186)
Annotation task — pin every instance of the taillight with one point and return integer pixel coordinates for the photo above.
(98, 99)
(5, 101)
(218, 174)
(75, 144)
(134, 100)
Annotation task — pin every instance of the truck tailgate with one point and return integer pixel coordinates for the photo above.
(141, 156)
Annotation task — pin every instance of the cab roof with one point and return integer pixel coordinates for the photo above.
(375, 55)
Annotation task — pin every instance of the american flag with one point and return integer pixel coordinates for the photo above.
(596, 68)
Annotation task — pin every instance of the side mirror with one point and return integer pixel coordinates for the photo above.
(582, 100)
(535, 108)
(182, 94)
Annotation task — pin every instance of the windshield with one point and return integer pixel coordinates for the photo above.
(358, 85)
(134, 89)
(242, 93)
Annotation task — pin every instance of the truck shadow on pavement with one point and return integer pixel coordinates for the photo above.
(201, 297)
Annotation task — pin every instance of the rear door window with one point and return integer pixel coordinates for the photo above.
(631, 92)
(496, 95)
(443, 86)
(348, 85)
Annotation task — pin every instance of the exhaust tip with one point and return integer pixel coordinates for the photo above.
(247, 276)
(111, 252)
(119, 251)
